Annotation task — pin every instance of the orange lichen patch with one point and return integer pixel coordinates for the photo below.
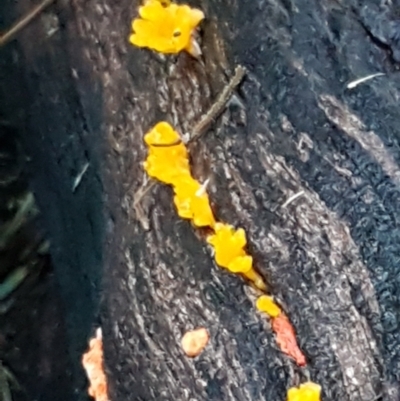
(192, 202)
(92, 362)
(286, 338)
(267, 304)
(166, 28)
(168, 158)
(308, 391)
(193, 342)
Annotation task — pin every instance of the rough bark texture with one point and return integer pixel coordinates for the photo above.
(331, 255)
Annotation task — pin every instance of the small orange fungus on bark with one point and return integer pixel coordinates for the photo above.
(308, 391)
(256, 279)
(286, 339)
(92, 362)
(228, 244)
(267, 305)
(193, 342)
(161, 134)
(192, 203)
(166, 27)
(241, 264)
(168, 162)
(168, 159)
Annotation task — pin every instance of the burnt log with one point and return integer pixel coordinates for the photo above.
(307, 165)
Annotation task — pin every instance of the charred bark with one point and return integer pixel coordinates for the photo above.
(330, 255)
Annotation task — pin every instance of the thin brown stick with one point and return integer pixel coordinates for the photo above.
(167, 145)
(199, 129)
(218, 106)
(137, 199)
(24, 21)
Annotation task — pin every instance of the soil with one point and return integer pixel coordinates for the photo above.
(33, 345)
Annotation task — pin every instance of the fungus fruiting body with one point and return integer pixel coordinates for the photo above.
(193, 342)
(308, 391)
(92, 362)
(168, 158)
(166, 27)
(286, 338)
(193, 203)
(228, 245)
(267, 304)
(161, 134)
(168, 162)
(284, 331)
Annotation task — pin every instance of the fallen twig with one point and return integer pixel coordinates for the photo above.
(23, 22)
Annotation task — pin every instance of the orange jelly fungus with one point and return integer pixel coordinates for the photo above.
(168, 162)
(166, 27)
(192, 202)
(168, 158)
(228, 244)
(92, 362)
(193, 342)
(267, 305)
(308, 391)
(286, 338)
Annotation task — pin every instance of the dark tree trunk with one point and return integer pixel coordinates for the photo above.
(331, 255)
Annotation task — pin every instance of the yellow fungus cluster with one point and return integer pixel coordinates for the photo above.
(166, 27)
(191, 202)
(168, 159)
(229, 251)
(267, 304)
(283, 329)
(308, 391)
(168, 162)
